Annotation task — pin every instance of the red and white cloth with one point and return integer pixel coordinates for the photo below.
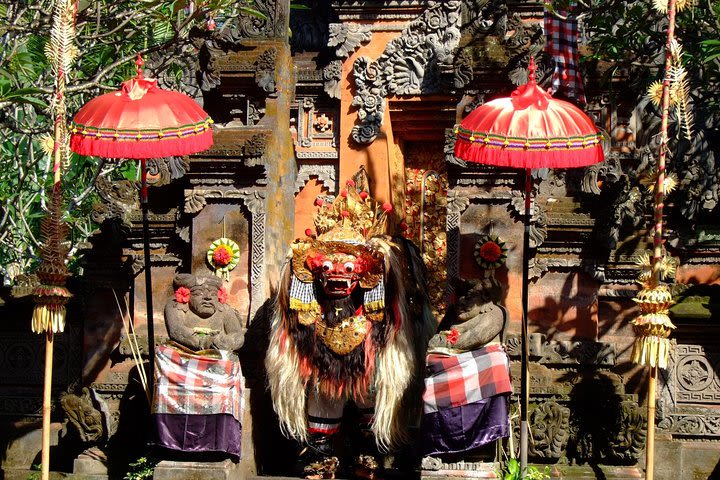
(562, 43)
(196, 385)
(453, 380)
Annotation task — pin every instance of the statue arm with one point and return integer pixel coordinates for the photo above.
(180, 332)
(232, 336)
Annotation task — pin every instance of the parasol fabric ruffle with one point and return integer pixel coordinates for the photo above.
(138, 149)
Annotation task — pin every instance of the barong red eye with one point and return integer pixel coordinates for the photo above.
(349, 267)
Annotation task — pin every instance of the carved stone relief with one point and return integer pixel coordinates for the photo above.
(325, 173)
(254, 201)
(315, 130)
(410, 65)
(347, 37)
(265, 70)
(550, 431)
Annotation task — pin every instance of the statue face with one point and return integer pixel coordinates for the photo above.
(337, 273)
(203, 300)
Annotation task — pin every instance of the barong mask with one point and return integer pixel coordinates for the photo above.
(338, 261)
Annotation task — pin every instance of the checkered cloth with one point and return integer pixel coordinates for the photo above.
(195, 385)
(562, 43)
(464, 378)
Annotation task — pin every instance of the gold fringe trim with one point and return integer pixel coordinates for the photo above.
(375, 306)
(299, 306)
(48, 317)
(651, 350)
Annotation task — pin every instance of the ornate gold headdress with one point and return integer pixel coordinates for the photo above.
(354, 216)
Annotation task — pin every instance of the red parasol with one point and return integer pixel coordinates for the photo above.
(141, 121)
(527, 130)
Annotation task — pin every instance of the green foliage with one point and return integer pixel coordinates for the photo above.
(109, 34)
(512, 472)
(35, 474)
(141, 469)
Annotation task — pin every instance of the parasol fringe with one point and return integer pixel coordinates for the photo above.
(168, 147)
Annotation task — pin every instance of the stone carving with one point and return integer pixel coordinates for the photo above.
(476, 317)
(83, 416)
(161, 171)
(265, 70)
(695, 423)
(410, 65)
(550, 430)
(194, 202)
(331, 78)
(197, 317)
(456, 204)
(347, 37)
(255, 146)
(627, 440)
(564, 352)
(538, 218)
(119, 199)
(325, 173)
(606, 426)
(449, 149)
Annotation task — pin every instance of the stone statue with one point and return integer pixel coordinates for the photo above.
(467, 383)
(198, 318)
(197, 405)
(82, 414)
(476, 318)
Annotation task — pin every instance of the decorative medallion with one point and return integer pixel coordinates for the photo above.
(223, 256)
(490, 252)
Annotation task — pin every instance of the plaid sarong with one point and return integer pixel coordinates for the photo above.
(196, 385)
(453, 380)
(562, 44)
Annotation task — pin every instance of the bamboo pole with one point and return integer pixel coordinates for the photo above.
(47, 405)
(658, 232)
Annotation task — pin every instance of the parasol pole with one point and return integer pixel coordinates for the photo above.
(148, 273)
(524, 380)
(658, 232)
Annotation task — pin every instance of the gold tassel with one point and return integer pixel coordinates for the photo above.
(653, 327)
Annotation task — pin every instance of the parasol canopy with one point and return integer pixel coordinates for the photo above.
(141, 120)
(529, 129)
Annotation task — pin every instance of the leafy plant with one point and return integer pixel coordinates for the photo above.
(141, 469)
(512, 471)
(109, 35)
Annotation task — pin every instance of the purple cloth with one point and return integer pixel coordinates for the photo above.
(463, 428)
(199, 433)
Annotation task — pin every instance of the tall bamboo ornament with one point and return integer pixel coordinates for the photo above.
(653, 325)
(51, 295)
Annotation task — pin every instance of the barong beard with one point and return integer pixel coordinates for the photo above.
(341, 323)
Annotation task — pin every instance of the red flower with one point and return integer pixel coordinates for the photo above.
(363, 195)
(387, 208)
(343, 193)
(222, 295)
(453, 336)
(345, 213)
(222, 255)
(490, 251)
(319, 202)
(308, 232)
(182, 295)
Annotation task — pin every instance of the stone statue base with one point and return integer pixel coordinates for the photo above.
(176, 470)
(458, 470)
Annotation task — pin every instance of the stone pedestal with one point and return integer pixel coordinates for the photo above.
(463, 470)
(91, 464)
(174, 470)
